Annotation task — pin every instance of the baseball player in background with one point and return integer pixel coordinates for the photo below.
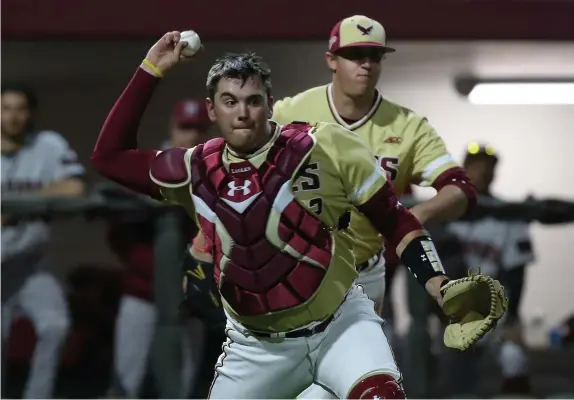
(406, 146)
(131, 237)
(502, 249)
(39, 163)
(273, 204)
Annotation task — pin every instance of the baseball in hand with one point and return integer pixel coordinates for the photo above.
(193, 43)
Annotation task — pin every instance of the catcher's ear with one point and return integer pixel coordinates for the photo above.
(210, 109)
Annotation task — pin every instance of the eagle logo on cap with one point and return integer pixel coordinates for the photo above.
(365, 31)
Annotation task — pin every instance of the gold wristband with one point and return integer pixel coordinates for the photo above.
(155, 69)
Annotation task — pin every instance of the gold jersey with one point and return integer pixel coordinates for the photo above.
(339, 174)
(405, 145)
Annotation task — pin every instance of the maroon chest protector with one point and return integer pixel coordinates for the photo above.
(274, 253)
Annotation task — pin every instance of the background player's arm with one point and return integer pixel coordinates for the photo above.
(374, 196)
(66, 172)
(281, 113)
(434, 166)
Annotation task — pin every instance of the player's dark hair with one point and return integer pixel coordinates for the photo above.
(470, 158)
(238, 66)
(24, 89)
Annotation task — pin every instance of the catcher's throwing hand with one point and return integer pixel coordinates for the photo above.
(166, 53)
(474, 305)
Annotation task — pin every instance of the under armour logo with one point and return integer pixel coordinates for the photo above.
(245, 187)
(365, 31)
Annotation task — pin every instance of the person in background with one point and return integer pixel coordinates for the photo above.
(407, 147)
(189, 123)
(34, 163)
(502, 249)
(131, 238)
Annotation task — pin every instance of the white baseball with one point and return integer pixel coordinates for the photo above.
(193, 43)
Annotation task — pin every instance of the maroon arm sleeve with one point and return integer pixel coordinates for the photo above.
(404, 234)
(116, 155)
(390, 217)
(457, 176)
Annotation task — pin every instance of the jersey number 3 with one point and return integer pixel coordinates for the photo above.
(309, 180)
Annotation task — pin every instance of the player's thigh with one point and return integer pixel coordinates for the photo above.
(250, 368)
(354, 347)
(373, 283)
(135, 326)
(43, 300)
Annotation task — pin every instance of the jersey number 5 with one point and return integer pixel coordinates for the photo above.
(390, 165)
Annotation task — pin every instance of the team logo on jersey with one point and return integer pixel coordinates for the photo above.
(394, 140)
(365, 31)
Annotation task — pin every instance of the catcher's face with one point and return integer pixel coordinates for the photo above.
(242, 109)
(356, 69)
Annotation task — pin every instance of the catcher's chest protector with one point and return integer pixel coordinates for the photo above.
(270, 253)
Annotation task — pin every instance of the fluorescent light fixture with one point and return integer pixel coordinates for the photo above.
(522, 93)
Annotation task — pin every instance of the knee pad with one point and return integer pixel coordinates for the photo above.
(378, 386)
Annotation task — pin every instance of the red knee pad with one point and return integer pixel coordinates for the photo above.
(379, 386)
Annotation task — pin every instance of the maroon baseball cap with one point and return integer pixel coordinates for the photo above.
(190, 112)
(358, 31)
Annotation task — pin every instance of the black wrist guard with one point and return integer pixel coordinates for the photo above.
(422, 260)
(201, 298)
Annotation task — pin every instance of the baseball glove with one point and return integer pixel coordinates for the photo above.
(474, 306)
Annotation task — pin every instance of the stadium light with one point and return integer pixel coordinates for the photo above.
(545, 92)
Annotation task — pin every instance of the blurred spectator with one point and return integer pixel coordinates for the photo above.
(131, 237)
(190, 124)
(567, 331)
(501, 249)
(39, 163)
